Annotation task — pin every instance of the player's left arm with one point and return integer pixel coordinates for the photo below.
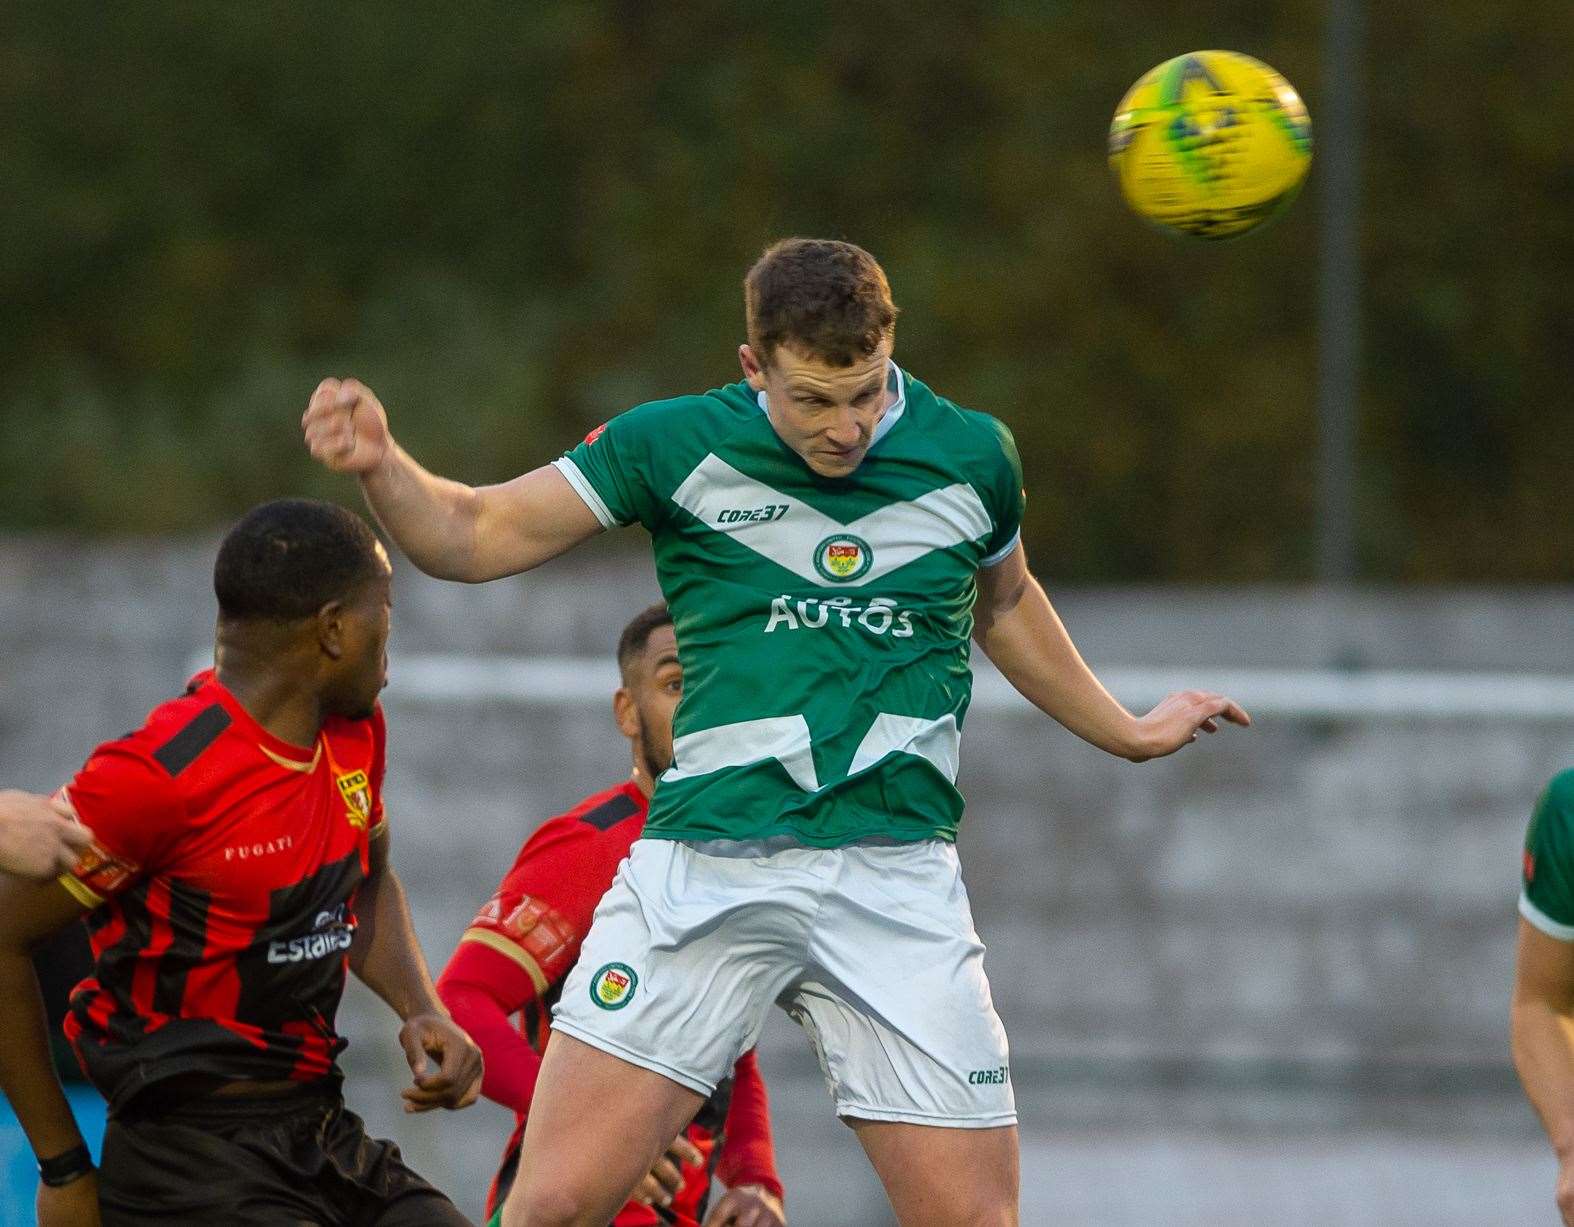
(1019, 630)
(387, 958)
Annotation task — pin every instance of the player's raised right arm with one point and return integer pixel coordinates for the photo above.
(448, 529)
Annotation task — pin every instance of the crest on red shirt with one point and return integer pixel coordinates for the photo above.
(356, 790)
(101, 871)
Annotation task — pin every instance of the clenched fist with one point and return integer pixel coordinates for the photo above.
(346, 426)
(456, 1080)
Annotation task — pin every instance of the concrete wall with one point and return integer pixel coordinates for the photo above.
(1327, 902)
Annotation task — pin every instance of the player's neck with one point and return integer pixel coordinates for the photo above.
(642, 780)
(273, 699)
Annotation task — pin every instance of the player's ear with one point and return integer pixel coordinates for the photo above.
(330, 629)
(625, 712)
(753, 368)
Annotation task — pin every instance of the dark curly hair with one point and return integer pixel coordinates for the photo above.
(637, 633)
(286, 559)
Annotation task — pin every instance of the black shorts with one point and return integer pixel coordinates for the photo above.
(297, 1160)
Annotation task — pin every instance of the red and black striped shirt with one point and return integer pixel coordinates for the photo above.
(222, 879)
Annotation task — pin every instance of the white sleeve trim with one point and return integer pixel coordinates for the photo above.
(586, 491)
(1532, 913)
(1004, 552)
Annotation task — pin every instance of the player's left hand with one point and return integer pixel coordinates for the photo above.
(748, 1205)
(456, 1080)
(1178, 720)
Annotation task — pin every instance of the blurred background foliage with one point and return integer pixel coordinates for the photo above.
(515, 220)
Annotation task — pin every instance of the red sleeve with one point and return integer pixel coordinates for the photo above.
(748, 1155)
(523, 941)
(543, 908)
(482, 989)
(133, 810)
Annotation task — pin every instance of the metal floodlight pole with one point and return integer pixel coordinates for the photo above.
(1338, 135)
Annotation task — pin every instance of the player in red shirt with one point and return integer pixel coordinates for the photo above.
(514, 957)
(239, 867)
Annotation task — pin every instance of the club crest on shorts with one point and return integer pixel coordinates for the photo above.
(613, 986)
(356, 790)
(843, 557)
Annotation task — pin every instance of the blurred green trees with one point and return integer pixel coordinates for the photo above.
(515, 220)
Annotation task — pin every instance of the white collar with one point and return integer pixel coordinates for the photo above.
(898, 407)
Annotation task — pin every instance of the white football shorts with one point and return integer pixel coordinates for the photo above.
(870, 948)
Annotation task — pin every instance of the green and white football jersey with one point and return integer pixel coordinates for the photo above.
(823, 624)
(1547, 876)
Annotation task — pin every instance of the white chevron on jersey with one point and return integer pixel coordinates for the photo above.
(787, 740)
(897, 533)
(784, 738)
(938, 741)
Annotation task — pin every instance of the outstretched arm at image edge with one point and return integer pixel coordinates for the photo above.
(1542, 1039)
(39, 836)
(30, 912)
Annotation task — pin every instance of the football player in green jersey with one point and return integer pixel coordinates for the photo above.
(830, 536)
(1542, 1015)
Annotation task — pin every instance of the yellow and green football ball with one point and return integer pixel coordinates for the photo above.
(1210, 144)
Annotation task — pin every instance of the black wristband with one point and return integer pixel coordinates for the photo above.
(63, 1169)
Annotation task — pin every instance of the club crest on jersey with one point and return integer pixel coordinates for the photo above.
(843, 557)
(613, 986)
(101, 871)
(356, 790)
